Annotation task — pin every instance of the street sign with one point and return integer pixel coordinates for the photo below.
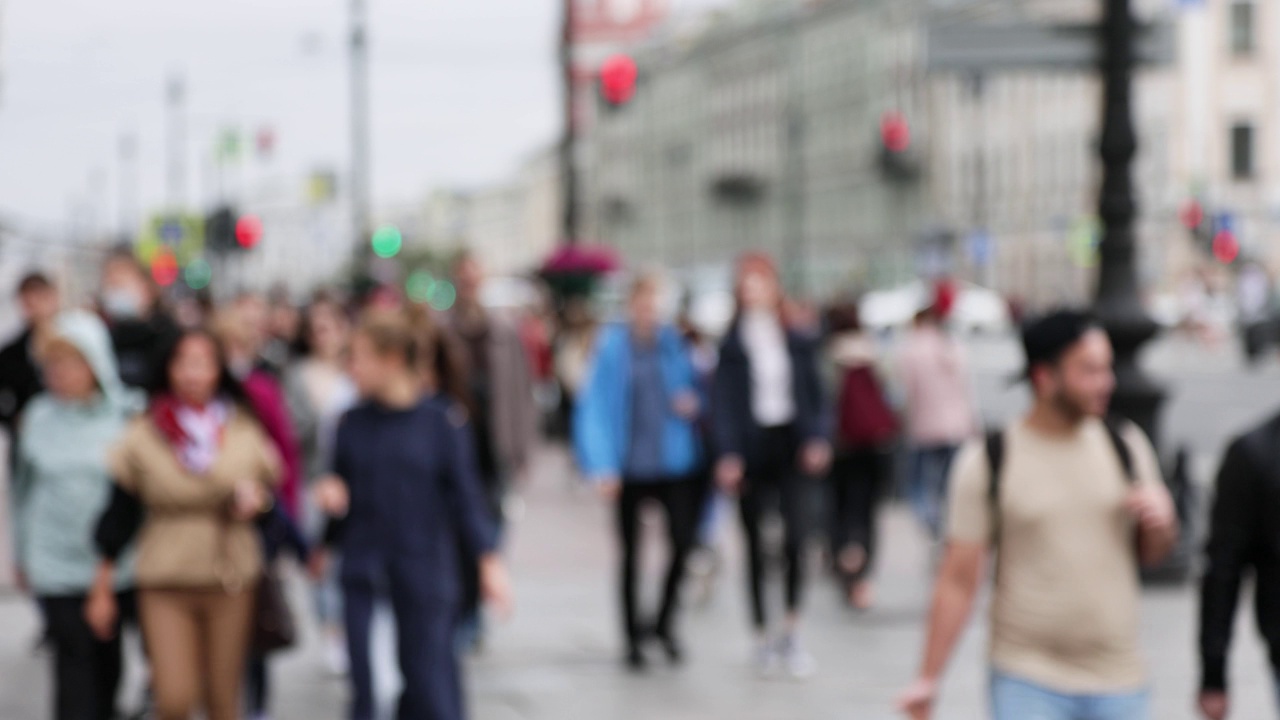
(171, 231)
(982, 248)
(981, 48)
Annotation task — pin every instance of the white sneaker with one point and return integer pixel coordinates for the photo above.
(765, 660)
(795, 660)
(335, 656)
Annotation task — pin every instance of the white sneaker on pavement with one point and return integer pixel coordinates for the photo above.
(795, 660)
(765, 660)
(335, 656)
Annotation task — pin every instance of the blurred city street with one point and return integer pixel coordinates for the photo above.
(559, 657)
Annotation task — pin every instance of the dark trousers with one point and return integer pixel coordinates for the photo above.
(857, 480)
(772, 478)
(87, 670)
(679, 498)
(426, 632)
(257, 685)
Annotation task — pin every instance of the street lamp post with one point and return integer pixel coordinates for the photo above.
(360, 154)
(568, 144)
(1118, 303)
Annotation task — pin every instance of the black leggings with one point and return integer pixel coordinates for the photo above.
(771, 476)
(680, 500)
(87, 670)
(857, 478)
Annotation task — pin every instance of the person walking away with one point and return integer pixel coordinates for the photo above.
(1071, 505)
(266, 397)
(865, 429)
(61, 486)
(576, 340)
(772, 437)
(940, 413)
(284, 326)
(1244, 539)
(318, 391)
(141, 331)
(407, 492)
(19, 371)
(714, 506)
(500, 385)
(635, 437)
(192, 477)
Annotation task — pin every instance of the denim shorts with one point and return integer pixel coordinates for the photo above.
(1016, 699)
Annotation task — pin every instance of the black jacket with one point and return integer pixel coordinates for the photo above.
(141, 346)
(733, 423)
(19, 379)
(1244, 537)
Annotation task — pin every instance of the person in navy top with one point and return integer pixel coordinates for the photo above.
(771, 433)
(406, 487)
(636, 440)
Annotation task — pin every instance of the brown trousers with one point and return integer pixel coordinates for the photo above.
(198, 643)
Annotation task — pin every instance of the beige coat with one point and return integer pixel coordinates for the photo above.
(188, 539)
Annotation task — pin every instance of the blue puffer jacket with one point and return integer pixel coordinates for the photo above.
(602, 419)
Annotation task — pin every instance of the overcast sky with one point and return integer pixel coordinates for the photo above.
(462, 91)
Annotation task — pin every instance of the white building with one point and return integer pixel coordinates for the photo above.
(762, 131)
(511, 225)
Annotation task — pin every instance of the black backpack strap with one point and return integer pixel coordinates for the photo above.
(995, 468)
(1123, 451)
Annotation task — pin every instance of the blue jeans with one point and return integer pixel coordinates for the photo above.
(928, 470)
(1015, 699)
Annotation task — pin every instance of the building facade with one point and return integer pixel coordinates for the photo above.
(763, 131)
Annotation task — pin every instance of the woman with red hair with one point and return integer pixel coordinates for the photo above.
(771, 434)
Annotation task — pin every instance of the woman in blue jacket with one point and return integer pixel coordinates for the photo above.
(635, 438)
(771, 434)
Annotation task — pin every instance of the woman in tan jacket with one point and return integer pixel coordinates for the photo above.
(192, 475)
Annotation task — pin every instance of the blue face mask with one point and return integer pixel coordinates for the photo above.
(121, 304)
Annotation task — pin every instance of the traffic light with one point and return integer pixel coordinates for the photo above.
(896, 159)
(895, 134)
(248, 231)
(227, 231)
(618, 77)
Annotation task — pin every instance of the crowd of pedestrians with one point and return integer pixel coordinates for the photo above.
(161, 469)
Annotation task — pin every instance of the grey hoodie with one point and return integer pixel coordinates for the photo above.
(61, 484)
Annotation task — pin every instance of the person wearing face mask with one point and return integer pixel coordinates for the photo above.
(61, 485)
(771, 436)
(141, 331)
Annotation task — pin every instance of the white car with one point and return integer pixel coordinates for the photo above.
(977, 309)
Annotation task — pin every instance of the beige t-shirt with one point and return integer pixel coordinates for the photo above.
(1065, 604)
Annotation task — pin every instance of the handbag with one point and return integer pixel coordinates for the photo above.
(274, 627)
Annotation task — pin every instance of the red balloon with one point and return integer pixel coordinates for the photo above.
(1226, 248)
(618, 77)
(1192, 215)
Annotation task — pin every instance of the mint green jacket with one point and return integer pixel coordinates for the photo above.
(61, 484)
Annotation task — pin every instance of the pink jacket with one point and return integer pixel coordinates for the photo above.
(939, 399)
(268, 402)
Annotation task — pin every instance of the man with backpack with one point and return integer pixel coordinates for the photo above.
(1071, 505)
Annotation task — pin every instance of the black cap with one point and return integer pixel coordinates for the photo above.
(1046, 338)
